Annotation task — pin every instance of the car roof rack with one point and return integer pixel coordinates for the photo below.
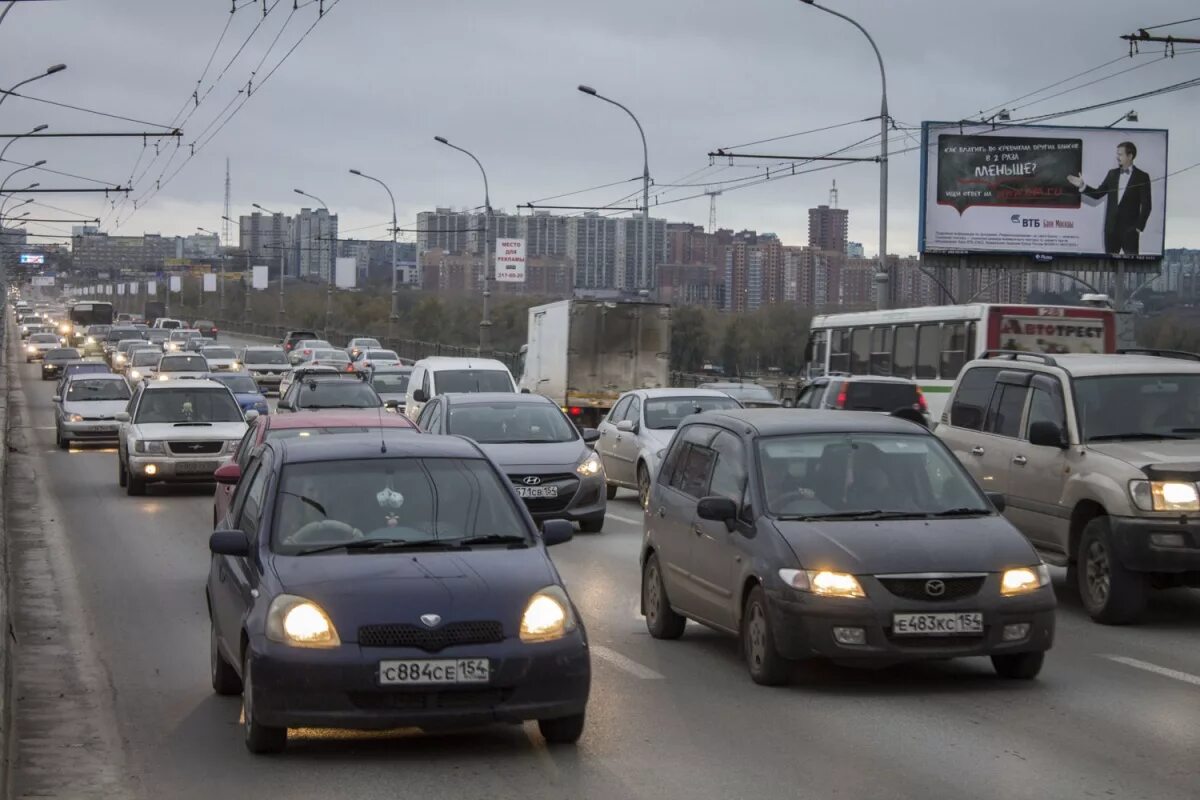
(1013, 355)
(1150, 351)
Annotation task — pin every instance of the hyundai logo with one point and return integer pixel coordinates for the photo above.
(935, 588)
(430, 620)
(531, 480)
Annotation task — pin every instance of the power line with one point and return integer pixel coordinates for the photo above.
(1169, 24)
(57, 172)
(800, 133)
(87, 110)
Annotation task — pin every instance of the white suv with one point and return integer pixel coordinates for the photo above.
(1098, 457)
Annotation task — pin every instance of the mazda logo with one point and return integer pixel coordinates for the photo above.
(430, 620)
(531, 480)
(935, 588)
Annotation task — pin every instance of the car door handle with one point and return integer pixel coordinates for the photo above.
(1020, 461)
(696, 530)
(976, 451)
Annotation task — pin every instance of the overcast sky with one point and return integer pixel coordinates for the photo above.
(377, 79)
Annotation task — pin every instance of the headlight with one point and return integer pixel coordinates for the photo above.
(300, 623)
(164, 377)
(133, 373)
(120, 359)
(152, 447)
(1164, 495)
(823, 582)
(90, 340)
(74, 418)
(235, 365)
(1024, 579)
(548, 616)
(590, 465)
(31, 349)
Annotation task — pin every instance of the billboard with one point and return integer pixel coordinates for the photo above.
(1043, 190)
(175, 283)
(152, 288)
(510, 260)
(259, 278)
(210, 282)
(345, 273)
(43, 280)
(33, 259)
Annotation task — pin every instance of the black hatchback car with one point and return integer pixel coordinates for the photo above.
(383, 581)
(847, 535)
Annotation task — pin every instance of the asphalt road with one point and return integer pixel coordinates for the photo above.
(113, 699)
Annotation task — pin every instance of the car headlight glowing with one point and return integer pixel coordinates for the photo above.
(1024, 579)
(142, 446)
(119, 358)
(590, 465)
(133, 373)
(90, 340)
(548, 616)
(1164, 495)
(235, 365)
(31, 349)
(74, 418)
(834, 584)
(300, 623)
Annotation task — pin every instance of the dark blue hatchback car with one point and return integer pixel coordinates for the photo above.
(374, 583)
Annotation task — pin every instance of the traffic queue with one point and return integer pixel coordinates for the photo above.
(876, 536)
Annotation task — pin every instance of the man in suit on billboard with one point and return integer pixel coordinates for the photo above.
(1127, 192)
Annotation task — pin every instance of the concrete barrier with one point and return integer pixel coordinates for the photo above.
(6, 631)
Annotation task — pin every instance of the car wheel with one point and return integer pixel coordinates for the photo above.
(766, 666)
(135, 486)
(1019, 666)
(1112, 594)
(661, 619)
(562, 730)
(122, 475)
(593, 525)
(260, 739)
(225, 680)
(610, 490)
(643, 476)
(62, 443)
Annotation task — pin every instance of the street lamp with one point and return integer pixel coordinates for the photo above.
(281, 267)
(394, 317)
(485, 323)
(38, 129)
(19, 84)
(4, 183)
(328, 263)
(645, 276)
(881, 277)
(1129, 116)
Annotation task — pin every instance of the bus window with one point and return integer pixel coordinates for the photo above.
(905, 351)
(839, 350)
(954, 349)
(881, 351)
(860, 350)
(929, 346)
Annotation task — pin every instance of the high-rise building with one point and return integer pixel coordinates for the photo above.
(199, 245)
(545, 234)
(447, 230)
(313, 234)
(592, 240)
(754, 271)
(629, 275)
(113, 254)
(828, 228)
(266, 239)
(855, 250)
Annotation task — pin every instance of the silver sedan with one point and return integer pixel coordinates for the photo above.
(87, 408)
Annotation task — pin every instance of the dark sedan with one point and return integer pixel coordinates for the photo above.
(55, 360)
(378, 581)
(551, 464)
(845, 535)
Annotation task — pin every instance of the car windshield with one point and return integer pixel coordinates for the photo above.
(306, 433)
(203, 323)
(117, 334)
(391, 499)
(44, 338)
(78, 369)
(853, 474)
(337, 394)
(218, 352)
(315, 344)
(382, 355)
(330, 355)
(181, 335)
(1163, 406)
(496, 423)
(187, 404)
(62, 354)
(158, 335)
(238, 384)
(145, 358)
(183, 364)
(473, 380)
(390, 382)
(265, 357)
(83, 390)
(665, 413)
(361, 343)
(749, 391)
(880, 396)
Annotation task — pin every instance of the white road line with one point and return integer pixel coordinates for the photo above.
(626, 520)
(626, 664)
(1166, 672)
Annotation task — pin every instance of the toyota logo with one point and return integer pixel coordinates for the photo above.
(935, 588)
(430, 620)
(531, 480)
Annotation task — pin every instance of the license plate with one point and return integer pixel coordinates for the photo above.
(195, 467)
(953, 624)
(417, 672)
(537, 491)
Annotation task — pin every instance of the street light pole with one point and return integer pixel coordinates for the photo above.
(485, 323)
(394, 317)
(644, 280)
(19, 84)
(328, 265)
(17, 171)
(1129, 116)
(282, 309)
(883, 276)
(37, 129)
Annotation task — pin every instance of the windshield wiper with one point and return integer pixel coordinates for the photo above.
(1112, 437)
(962, 512)
(190, 424)
(492, 538)
(381, 544)
(876, 514)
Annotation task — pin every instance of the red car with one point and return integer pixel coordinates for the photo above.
(288, 426)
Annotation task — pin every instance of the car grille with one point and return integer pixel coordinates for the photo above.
(915, 588)
(195, 448)
(431, 640)
(426, 700)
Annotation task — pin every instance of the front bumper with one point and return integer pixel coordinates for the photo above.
(89, 430)
(803, 625)
(1138, 542)
(340, 688)
(579, 498)
(172, 468)
(267, 381)
(50, 371)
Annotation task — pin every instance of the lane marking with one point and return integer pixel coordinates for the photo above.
(626, 664)
(626, 520)
(1166, 672)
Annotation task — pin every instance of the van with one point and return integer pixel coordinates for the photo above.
(433, 376)
(168, 324)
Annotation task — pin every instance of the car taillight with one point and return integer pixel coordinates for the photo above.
(921, 404)
(576, 411)
(349, 368)
(841, 398)
(288, 346)
(308, 352)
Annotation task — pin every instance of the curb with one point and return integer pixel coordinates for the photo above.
(6, 631)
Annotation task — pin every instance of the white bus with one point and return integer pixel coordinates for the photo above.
(931, 344)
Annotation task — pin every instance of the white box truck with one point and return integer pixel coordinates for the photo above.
(583, 354)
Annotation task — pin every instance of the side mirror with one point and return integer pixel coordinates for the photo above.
(251, 415)
(1047, 434)
(718, 509)
(419, 396)
(228, 474)
(284, 405)
(590, 435)
(997, 501)
(626, 426)
(557, 531)
(229, 543)
(122, 416)
(56, 399)
(392, 404)
(524, 390)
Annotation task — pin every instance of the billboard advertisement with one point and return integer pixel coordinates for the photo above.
(258, 278)
(33, 259)
(345, 273)
(1043, 190)
(175, 283)
(1054, 335)
(510, 260)
(210, 282)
